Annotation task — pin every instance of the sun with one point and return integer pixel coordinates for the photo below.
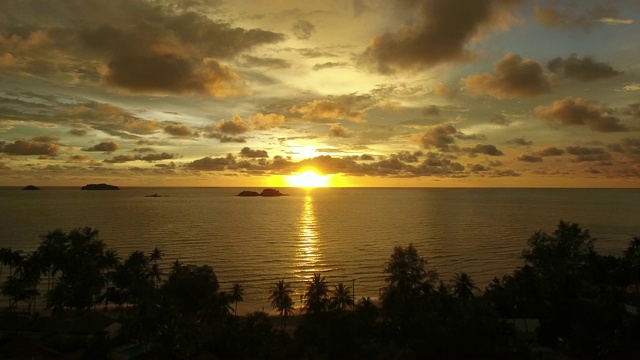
(308, 179)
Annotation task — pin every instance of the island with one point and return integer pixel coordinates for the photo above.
(265, 192)
(30, 187)
(99, 187)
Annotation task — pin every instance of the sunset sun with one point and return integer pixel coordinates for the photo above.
(308, 179)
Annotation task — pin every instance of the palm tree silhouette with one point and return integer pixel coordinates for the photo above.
(341, 297)
(281, 300)
(237, 293)
(464, 286)
(317, 296)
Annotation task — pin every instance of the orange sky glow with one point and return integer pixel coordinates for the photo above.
(367, 93)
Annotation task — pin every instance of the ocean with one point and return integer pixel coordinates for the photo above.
(346, 233)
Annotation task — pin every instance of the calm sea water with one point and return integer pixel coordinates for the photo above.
(347, 234)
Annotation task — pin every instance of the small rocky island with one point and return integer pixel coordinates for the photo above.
(99, 187)
(265, 192)
(30, 187)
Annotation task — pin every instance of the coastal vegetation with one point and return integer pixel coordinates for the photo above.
(572, 301)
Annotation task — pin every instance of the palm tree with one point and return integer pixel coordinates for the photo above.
(237, 293)
(175, 267)
(341, 297)
(463, 286)
(317, 295)
(281, 300)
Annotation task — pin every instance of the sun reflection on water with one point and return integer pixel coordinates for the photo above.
(308, 256)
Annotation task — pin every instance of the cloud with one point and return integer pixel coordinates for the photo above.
(303, 29)
(440, 35)
(529, 158)
(588, 154)
(477, 167)
(328, 65)
(234, 126)
(105, 146)
(233, 139)
(157, 157)
(577, 111)
(139, 46)
(629, 146)
(632, 87)
(109, 118)
(346, 107)
(500, 119)
(431, 110)
(615, 21)
(273, 63)
(514, 77)
(119, 159)
(178, 130)
(261, 121)
(585, 69)
(439, 136)
(337, 130)
(246, 152)
(78, 132)
(549, 151)
(487, 149)
(211, 164)
(520, 141)
(29, 147)
(553, 17)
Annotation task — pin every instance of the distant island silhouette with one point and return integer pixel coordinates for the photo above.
(99, 187)
(30, 187)
(265, 192)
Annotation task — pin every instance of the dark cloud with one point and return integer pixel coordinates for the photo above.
(119, 159)
(438, 164)
(234, 126)
(629, 146)
(408, 157)
(431, 110)
(144, 150)
(441, 35)
(303, 29)
(477, 167)
(171, 74)
(520, 141)
(246, 152)
(487, 149)
(273, 63)
(549, 151)
(576, 111)
(583, 154)
(78, 132)
(157, 157)
(360, 7)
(514, 77)
(366, 157)
(29, 147)
(337, 130)
(179, 130)
(328, 65)
(233, 139)
(105, 146)
(585, 69)
(211, 164)
(499, 119)
(138, 46)
(529, 158)
(439, 136)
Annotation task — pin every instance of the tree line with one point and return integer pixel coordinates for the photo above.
(585, 303)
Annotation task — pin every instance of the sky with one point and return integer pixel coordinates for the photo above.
(415, 93)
